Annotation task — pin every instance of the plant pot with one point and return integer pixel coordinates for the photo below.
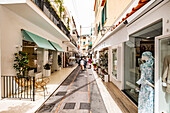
(47, 72)
(106, 78)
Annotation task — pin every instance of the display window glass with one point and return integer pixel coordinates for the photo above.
(114, 62)
(164, 72)
(139, 42)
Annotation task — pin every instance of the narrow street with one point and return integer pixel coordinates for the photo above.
(79, 93)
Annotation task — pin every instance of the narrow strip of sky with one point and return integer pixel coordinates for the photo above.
(82, 11)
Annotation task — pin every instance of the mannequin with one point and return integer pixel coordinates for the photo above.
(146, 93)
(166, 73)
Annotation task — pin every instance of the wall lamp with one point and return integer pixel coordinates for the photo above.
(105, 29)
(125, 22)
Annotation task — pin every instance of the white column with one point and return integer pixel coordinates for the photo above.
(45, 59)
(54, 65)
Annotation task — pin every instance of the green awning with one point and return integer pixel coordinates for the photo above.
(56, 46)
(41, 42)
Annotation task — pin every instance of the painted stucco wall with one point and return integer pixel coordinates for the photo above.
(115, 9)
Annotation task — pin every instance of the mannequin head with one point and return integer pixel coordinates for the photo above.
(146, 55)
(145, 58)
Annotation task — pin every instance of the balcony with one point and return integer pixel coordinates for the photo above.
(45, 6)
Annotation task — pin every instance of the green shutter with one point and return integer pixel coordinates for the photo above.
(103, 17)
(98, 28)
(105, 7)
(104, 14)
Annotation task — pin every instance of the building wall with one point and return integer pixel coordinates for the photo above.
(115, 9)
(162, 99)
(12, 38)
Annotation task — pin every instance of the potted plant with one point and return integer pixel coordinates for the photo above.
(21, 63)
(47, 68)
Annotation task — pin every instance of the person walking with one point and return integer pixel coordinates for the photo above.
(85, 63)
(82, 64)
(94, 63)
(89, 63)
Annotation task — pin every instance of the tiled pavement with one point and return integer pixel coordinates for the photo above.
(79, 93)
(27, 106)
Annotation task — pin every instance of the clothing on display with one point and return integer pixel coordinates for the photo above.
(146, 93)
(166, 73)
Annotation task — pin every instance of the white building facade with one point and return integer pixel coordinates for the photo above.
(32, 17)
(147, 29)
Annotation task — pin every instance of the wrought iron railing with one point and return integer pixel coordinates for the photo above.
(18, 87)
(46, 7)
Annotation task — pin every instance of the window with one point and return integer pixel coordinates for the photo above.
(114, 62)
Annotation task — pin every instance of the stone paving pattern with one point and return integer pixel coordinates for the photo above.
(79, 93)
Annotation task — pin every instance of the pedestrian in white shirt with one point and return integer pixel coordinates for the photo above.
(82, 64)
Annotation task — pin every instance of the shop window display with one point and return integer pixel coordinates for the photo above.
(114, 62)
(139, 42)
(164, 72)
(30, 48)
(50, 57)
(103, 61)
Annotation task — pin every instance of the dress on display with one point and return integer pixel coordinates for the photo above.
(146, 93)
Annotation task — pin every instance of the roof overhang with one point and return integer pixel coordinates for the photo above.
(31, 12)
(128, 20)
(70, 44)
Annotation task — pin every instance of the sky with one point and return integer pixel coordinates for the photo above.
(82, 12)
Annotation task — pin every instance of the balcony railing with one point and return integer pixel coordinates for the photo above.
(46, 7)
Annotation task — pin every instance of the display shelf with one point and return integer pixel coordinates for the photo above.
(103, 61)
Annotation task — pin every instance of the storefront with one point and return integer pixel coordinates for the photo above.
(103, 60)
(139, 42)
(41, 52)
(146, 30)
